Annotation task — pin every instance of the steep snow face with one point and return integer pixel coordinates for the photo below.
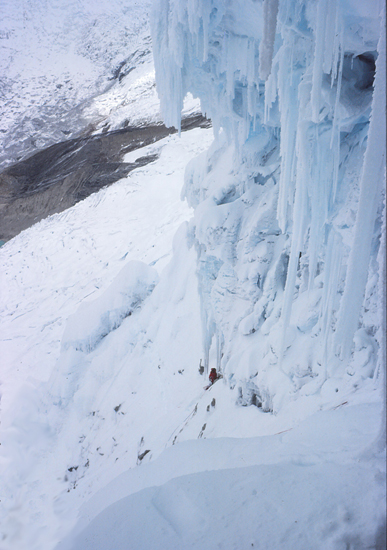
(289, 198)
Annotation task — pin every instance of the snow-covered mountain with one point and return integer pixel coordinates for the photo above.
(69, 68)
(272, 271)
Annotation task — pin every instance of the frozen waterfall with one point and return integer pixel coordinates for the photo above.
(289, 199)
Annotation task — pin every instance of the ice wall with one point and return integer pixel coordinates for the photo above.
(289, 199)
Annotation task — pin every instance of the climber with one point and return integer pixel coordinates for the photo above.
(213, 376)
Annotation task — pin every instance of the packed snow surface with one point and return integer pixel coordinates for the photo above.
(267, 492)
(272, 271)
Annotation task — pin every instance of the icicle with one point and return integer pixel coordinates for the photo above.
(335, 135)
(206, 21)
(330, 40)
(288, 98)
(381, 441)
(337, 45)
(318, 59)
(271, 86)
(266, 47)
(316, 193)
(331, 280)
(299, 226)
(370, 185)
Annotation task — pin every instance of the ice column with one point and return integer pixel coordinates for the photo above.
(266, 47)
(373, 176)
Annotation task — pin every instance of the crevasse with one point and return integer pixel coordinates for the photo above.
(289, 198)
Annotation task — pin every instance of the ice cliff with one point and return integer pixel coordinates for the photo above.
(289, 199)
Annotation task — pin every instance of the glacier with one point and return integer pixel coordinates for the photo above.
(271, 268)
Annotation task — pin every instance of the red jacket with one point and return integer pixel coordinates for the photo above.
(213, 376)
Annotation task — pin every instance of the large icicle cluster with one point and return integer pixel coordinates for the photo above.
(289, 199)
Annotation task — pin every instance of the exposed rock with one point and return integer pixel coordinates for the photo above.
(56, 178)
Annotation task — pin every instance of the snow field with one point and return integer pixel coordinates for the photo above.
(49, 270)
(66, 67)
(291, 490)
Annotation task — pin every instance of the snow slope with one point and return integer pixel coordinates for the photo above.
(84, 255)
(274, 273)
(291, 490)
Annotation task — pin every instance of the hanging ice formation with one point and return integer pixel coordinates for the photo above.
(289, 199)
